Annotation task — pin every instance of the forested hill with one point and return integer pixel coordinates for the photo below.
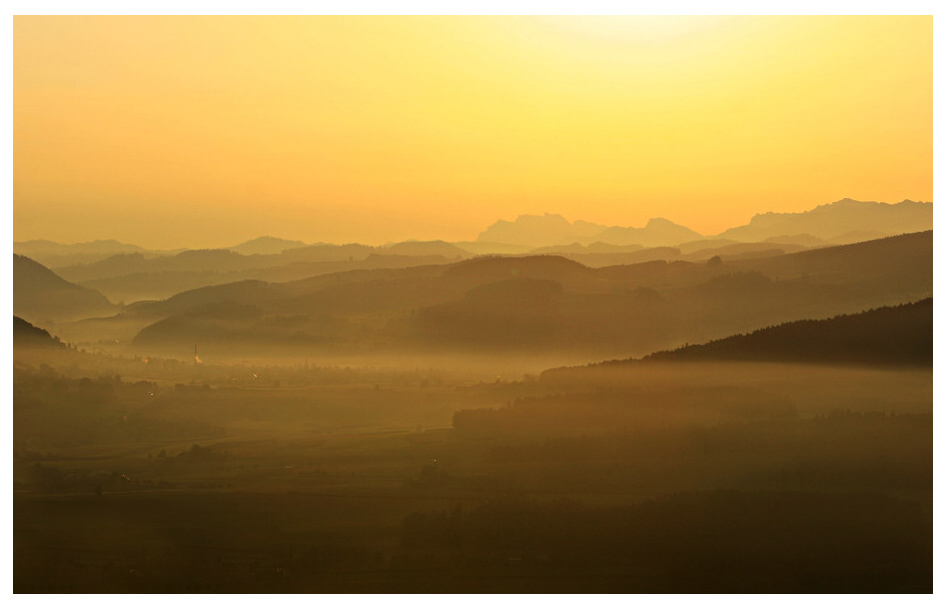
(27, 334)
(891, 335)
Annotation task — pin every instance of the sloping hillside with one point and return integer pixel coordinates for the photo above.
(548, 303)
(889, 335)
(25, 334)
(40, 295)
(53, 255)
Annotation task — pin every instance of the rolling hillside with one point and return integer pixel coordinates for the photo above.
(893, 335)
(25, 334)
(548, 303)
(42, 296)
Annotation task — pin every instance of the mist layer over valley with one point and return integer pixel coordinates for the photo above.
(506, 304)
(555, 407)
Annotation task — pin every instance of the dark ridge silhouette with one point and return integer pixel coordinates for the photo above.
(40, 295)
(891, 335)
(857, 236)
(28, 335)
(902, 260)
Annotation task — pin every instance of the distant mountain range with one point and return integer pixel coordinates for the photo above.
(540, 231)
(844, 218)
(841, 222)
(657, 232)
(127, 273)
(551, 230)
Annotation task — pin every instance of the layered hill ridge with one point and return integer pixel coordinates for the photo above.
(542, 303)
(40, 295)
(137, 276)
(52, 254)
(25, 334)
(126, 273)
(892, 335)
(266, 245)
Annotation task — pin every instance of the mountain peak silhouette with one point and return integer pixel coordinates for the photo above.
(551, 229)
(833, 220)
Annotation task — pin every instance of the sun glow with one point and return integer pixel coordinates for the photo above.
(665, 29)
(208, 130)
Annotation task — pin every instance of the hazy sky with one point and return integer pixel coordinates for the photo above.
(207, 131)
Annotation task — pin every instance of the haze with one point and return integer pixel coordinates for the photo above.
(205, 131)
(472, 305)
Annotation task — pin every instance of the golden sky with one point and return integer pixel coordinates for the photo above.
(207, 131)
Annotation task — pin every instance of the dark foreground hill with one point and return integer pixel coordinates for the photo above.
(28, 335)
(893, 335)
(40, 295)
